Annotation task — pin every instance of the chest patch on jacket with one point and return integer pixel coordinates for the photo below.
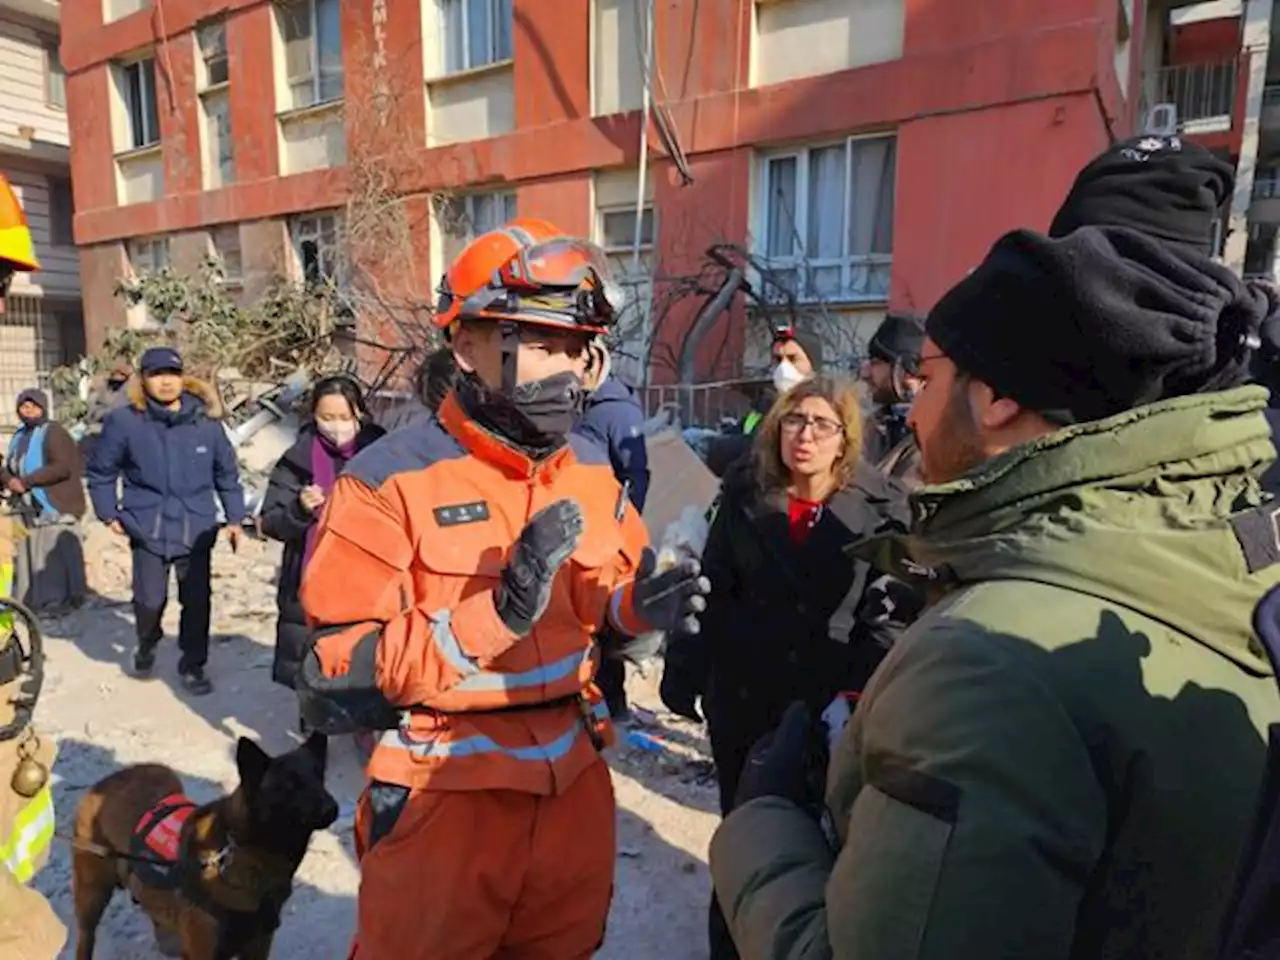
(158, 837)
(460, 513)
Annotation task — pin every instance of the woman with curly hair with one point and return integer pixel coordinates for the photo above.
(791, 615)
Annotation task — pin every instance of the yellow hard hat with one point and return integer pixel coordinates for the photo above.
(16, 248)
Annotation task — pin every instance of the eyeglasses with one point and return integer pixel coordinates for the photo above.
(823, 428)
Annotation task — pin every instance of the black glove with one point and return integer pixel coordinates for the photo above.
(670, 600)
(790, 762)
(545, 543)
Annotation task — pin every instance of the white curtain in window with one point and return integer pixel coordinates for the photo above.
(329, 47)
(871, 206)
(828, 176)
(508, 207)
(478, 24)
(502, 29)
(453, 31)
(780, 177)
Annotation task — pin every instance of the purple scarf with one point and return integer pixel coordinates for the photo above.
(327, 460)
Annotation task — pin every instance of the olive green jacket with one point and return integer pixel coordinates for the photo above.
(1061, 758)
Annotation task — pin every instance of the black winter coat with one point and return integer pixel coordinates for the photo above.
(284, 519)
(788, 621)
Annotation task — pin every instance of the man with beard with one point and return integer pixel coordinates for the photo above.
(890, 376)
(1060, 759)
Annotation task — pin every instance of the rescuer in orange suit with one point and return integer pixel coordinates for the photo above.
(462, 566)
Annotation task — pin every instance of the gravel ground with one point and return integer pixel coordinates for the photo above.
(103, 719)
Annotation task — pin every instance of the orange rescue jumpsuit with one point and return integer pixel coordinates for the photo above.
(487, 829)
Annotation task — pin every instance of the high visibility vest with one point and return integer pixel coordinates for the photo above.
(26, 848)
(751, 421)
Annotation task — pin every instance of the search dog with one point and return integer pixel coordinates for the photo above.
(213, 878)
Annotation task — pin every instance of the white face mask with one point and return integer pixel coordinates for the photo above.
(786, 376)
(340, 432)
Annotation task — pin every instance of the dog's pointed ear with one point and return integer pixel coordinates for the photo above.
(252, 762)
(318, 746)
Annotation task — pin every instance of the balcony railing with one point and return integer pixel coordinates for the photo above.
(1204, 94)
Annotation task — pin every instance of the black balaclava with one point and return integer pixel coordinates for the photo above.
(536, 417)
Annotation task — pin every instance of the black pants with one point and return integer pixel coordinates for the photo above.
(151, 593)
(733, 725)
(612, 680)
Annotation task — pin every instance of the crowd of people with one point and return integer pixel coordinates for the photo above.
(978, 635)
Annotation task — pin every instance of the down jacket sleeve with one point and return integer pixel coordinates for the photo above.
(226, 478)
(105, 463)
(971, 820)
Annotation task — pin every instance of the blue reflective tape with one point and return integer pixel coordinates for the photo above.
(493, 680)
(479, 744)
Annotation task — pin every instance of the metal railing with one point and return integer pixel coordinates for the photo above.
(1200, 91)
(702, 404)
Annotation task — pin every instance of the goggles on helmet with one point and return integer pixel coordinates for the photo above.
(565, 280)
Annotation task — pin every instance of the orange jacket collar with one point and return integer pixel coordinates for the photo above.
(490, 448)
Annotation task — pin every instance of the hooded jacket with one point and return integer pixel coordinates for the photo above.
(172, 464)
(1061, 758)
(612, 418)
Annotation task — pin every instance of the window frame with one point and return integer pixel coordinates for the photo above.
(201, 30)
(57, 236)
(491, 38)
(149, 75)
(53, 56)
(616, 253)
(230, 278)
(299, 225)
(151, 243)
(314, 78)
(799, 262)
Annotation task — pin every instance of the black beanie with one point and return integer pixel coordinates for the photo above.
(1098, 322)
(898, 340)
(809, 342)
(1161, 186)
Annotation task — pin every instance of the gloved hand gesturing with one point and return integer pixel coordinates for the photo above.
(790, 762)
(670, 600)
(545, 543)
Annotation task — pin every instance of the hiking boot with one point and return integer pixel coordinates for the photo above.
(144, 659)
(195, 682)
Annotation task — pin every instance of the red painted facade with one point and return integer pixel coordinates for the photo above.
(996, 104)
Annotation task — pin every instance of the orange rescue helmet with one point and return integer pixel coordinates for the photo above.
(530, 272)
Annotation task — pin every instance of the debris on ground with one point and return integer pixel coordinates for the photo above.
(103, 719)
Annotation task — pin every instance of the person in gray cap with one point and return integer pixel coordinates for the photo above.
(174, 457)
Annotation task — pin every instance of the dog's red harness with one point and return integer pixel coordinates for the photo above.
(157, 839)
